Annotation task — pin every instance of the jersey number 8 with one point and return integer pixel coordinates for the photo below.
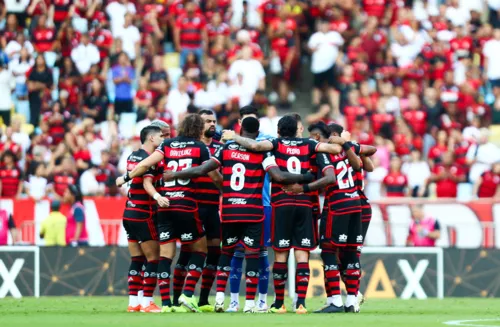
(238, 177)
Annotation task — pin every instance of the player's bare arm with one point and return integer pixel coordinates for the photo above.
(217, 178)
(248, 143)
(193, 172)
(140, 169)
(147, 182)
(367, 164)
(283, 177)
(329, 148)
(327, 179)
(367, 150)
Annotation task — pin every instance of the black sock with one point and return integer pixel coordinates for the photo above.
(164, 268)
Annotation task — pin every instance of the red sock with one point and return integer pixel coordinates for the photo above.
(280, 275)
(223, 270)
(195, 268)
(150, 278)
(302, 282)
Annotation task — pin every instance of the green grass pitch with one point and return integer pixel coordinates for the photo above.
(109, 312)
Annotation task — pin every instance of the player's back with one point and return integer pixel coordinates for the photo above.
(243, 178)
(181, 153)
(206, 192)
(292, 155)
(343, 194)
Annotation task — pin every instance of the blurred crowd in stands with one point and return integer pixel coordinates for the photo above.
(419, 79)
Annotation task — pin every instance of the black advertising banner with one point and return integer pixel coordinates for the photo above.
(387, 272)
(19, 271)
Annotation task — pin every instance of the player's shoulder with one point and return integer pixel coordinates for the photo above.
(216, 144)
(138, 155)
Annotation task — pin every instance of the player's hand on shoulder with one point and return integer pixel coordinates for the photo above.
(336, 140)
(163, 202)
(346, 135)
(120, 181)
(228, 135)
(293, 188)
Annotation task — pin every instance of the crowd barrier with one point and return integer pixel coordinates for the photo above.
(465, 225)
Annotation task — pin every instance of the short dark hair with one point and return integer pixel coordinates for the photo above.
(75, 191)
(335, 128)
(250, 125)
(287, 126)
(248, 110)
(321, 127)
(8, 153)
(296, 116)
(147, 131)
(206, 112)
(192, 126)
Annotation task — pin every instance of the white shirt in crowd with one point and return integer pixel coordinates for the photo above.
(374, 183)
(218, 91)
(251, 70)
(116, 12)
(242, 93)
(252, 18)
(36, 186)
(84, 56)
(7, 84)
(89, 184)
(129, 36)
(458, 16)
(327, 50)
(13, 48)
(177, 104)
(19, 69)
(484, 155)
(95, 148)
(405, 53)
(490, 51)
(494, 4)
(416, 173)
(16, 6)
(269, 126)
(203, 99)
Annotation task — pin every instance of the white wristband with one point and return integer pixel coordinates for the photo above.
(156, 196)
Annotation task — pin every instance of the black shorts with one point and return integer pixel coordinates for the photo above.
(327, 77)
(210, 218)
(342, 229)
(250, 235)
(139, 225)
(175, 225)
(293, 227)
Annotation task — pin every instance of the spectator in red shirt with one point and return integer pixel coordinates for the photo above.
(446, 175)
(106, 174)
(487, 185)
(415, 116)
(190, 34)
(395, 183)
(158, 79)
(436, 152)
(44, 35)
(63, 176)
(11, 185)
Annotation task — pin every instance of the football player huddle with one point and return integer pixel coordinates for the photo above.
(228, 201)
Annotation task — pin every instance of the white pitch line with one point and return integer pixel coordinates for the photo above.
(466, 322)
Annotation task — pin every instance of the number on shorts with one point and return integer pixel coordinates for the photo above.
(179, 166)
(238, 177)
(348, 182)
(293, 165)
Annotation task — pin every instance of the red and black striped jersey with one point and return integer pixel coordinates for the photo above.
(342, 196)
(292, 155)
(181, 153)
(60, 182)
(360, 182)
(10, 179)
(206, 192)
(243, 174)
(137, 195)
